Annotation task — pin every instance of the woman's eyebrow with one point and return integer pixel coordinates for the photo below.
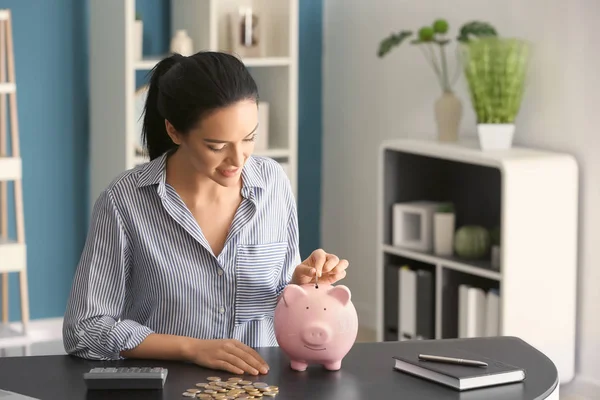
(225, 141)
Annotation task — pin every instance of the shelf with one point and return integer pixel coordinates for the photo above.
(149, 62)
(12, 256)
(10, 336)
(480, 268)
(10, 168)
(267, 62)
(140, 160)
(8, 88)
(273, 153)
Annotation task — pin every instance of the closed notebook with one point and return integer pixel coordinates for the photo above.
(460, 377)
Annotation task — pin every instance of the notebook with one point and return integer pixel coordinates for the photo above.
(459, 377)
(8, 395)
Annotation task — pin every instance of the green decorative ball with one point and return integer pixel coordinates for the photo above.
(440, 26)
(426, 33)
(472, 242)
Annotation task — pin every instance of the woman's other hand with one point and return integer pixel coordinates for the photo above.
(327, 267)
(226, 354)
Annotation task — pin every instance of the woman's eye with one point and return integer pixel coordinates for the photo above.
(250, 139)
(216, 148)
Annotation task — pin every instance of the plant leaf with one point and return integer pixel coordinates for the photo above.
(475, 28)
(393, 40)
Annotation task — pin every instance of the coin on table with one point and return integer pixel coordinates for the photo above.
(260, 384)
(188, 394)
(202, 384)
(270, 394)
(213, 378)
(244, 382)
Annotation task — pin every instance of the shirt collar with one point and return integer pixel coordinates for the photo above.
(155, 173)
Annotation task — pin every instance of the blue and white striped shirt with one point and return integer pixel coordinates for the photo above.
(146, 266)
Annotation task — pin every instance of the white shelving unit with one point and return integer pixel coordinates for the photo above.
(113, 67)
(531, 195)
(13, 250)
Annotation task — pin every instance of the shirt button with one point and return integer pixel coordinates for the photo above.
(220, 272)
(221, 310)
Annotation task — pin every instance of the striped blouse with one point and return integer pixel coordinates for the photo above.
(146, 266)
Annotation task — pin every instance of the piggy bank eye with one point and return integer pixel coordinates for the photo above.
(325, 309)
(307, 307)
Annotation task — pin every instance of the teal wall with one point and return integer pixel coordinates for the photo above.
(50, 39)
(51, 64)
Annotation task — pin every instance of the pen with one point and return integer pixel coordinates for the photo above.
(451, 360)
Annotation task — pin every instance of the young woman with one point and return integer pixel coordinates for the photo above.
(186, 255)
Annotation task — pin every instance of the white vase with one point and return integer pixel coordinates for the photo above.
(181, 43)
(443, 233)
(138, 39)
(448, 114)
(495, 136)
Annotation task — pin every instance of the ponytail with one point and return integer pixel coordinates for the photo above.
(184, 89)
(154, 132)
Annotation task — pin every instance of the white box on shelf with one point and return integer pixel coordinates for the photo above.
(413, 224)
(262, 133)
(286, 168)
(444, 224)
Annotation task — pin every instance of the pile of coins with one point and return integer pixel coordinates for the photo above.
(232, 388)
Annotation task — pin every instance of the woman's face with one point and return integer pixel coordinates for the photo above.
(219, 147)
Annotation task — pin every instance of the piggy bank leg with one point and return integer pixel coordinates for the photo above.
(298, 365)
(333, 366)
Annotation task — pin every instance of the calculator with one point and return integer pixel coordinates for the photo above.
(126, 378)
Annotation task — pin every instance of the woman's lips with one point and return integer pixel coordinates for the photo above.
(228, 173)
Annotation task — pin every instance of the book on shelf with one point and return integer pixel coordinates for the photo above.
(459, 377)
(415, 304)
(478, 312)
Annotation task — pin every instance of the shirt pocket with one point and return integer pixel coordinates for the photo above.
(258, 273)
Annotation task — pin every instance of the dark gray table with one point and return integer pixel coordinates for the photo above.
(367, 372)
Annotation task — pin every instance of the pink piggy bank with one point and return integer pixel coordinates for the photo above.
(315, 325)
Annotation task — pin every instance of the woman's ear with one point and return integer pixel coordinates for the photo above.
(172, 132)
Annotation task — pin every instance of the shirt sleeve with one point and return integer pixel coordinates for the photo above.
(92, 327)
(292, 258)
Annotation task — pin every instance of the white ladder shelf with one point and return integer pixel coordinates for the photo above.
(13, 257)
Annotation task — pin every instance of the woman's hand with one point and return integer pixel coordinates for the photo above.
(226, 354)
(328, 267)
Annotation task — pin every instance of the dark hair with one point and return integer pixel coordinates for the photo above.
(184, 89)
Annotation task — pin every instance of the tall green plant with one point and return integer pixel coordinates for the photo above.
(435, 37)
(496, 69)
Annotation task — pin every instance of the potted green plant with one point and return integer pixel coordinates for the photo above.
(495, 70)
(432, 40)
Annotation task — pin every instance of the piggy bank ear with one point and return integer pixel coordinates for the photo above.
(341, 293)
(291, 293)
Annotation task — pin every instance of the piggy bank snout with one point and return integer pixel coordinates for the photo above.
(316, 334)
